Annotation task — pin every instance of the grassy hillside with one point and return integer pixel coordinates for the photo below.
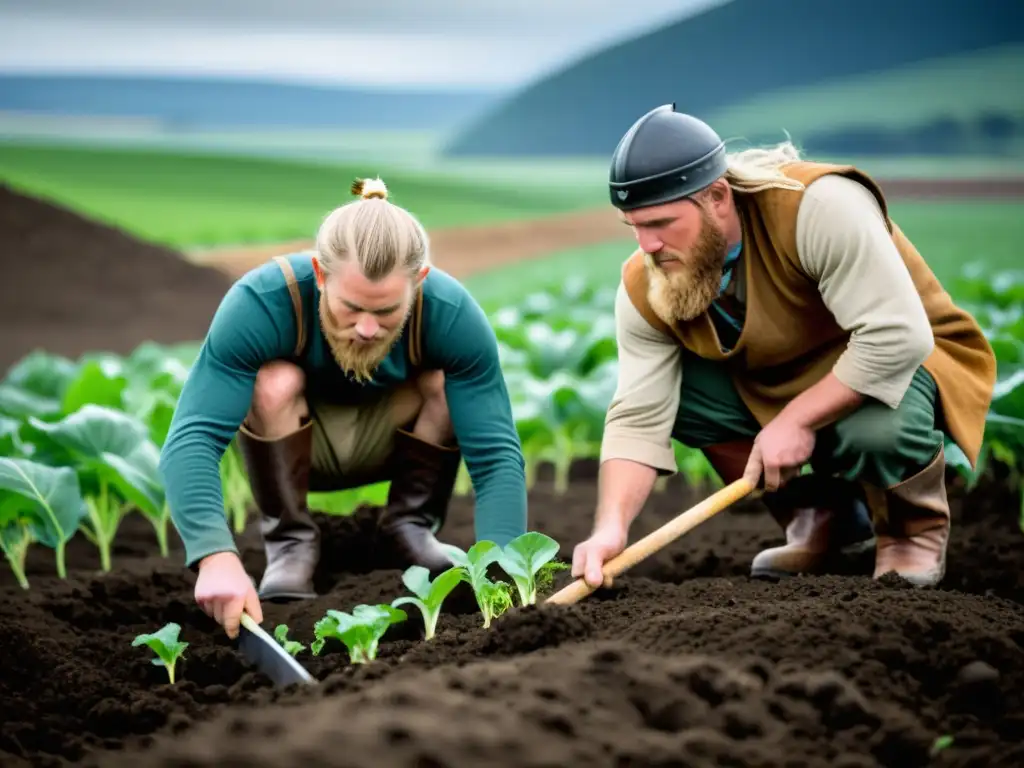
(900, 101)
(187, 200)
(738, 52)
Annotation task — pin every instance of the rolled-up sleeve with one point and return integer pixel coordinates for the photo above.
(844, 244)
(638, 424)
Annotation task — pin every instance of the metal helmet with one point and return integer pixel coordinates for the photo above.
(665, 156)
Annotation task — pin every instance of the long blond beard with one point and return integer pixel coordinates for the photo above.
(687, 291)
(360, 361)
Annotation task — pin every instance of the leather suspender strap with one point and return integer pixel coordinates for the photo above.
(293, 289)
(416, 331)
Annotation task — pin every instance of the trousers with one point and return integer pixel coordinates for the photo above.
(876, 444)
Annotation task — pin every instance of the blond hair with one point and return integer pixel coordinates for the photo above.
(378, 234)
(757, 169)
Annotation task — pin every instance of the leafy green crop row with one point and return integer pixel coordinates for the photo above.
(528, 560)
(559, 359)
(79, 449)
(80, 440)
(997, 301)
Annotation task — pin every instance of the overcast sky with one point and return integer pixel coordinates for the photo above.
(471, 43)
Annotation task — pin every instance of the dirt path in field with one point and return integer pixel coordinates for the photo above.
(685, 661)
(464, 251)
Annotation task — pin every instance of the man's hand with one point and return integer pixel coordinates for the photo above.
(589, 557)
(780, 450)
(224, 590)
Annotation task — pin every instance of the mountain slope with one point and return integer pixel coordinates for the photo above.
(196, 103)
(729, 55)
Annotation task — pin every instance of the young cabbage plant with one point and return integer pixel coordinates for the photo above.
(492, 597)
(15, 539)
(360, 630)
(116, 463)
(290, 646)
(523, 558)
(38, 503)
(165, 644)
(429, 594)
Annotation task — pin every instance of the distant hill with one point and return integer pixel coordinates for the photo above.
(198, 104)
(743, 52)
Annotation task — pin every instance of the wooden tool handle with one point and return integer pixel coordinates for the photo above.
(657, 539)
(249, 623)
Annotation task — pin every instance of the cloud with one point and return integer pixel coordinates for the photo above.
(460, 43)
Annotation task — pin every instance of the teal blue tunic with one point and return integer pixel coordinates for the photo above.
(255, 323)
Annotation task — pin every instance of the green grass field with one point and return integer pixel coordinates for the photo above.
(949, 235)
(188, 200)
(192, 200)
(199, 199)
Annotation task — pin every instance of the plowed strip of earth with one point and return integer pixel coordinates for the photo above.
(463, 251)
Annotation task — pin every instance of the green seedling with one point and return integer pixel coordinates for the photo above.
(429, 594)
(940, 744)
(291, 646)
(38, 503)
(15, 539)
(523, 558)
(360, 630)
(165, 644)
(493, 597)
(546, 575)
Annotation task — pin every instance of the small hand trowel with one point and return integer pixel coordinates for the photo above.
(269, 656)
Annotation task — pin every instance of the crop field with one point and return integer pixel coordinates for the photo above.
(683, 661)
(188, 200)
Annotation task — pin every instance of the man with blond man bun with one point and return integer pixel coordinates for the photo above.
(356, 364)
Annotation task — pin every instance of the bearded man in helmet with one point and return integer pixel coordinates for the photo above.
(354, 364)
(775, 316)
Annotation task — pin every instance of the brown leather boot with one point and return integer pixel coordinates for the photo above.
(279, 477)
(828, 529)
(912, 521)
(421, 488)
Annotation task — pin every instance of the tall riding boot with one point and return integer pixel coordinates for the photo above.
(421, 488)
(913, 525)
(279, 476)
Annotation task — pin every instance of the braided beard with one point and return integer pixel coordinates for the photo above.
(686, 292)
(356, 359)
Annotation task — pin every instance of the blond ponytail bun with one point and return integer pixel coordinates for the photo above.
(368, 188)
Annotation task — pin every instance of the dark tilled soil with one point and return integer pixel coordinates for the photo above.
(684, 662)
(72, 286)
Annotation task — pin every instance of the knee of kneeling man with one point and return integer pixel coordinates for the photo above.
(278, 385)
(877, 431)
(431, 385)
